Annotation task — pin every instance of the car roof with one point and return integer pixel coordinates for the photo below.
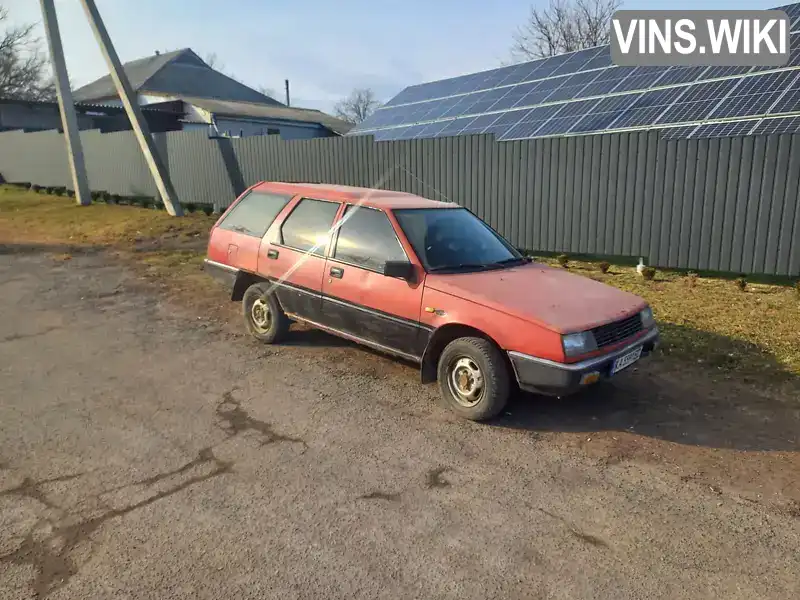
(354, 195)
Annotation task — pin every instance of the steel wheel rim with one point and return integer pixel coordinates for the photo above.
(261, 315)
(466, 381)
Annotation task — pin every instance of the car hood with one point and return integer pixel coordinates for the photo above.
(551, 297)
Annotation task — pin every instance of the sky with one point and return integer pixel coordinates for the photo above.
(325, 48)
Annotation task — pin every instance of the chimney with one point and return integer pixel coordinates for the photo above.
(287, 93)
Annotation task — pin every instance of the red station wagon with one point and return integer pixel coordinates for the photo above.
(426, 281)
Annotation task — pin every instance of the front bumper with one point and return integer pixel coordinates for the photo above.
(552, 378)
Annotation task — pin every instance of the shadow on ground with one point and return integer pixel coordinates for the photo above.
(737, 397)
(664, 397)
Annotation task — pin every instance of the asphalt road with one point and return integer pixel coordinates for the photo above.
(147, 451)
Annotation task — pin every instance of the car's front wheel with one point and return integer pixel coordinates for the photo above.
(263, 315)
(473, 378)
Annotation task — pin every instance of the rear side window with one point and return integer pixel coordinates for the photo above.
(367, 239)
(309, 225)
(254, 213)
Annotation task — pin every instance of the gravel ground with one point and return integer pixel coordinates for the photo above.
(148, 452)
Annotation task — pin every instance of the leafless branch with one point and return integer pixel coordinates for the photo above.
(564, 26)
(360, 104)
(24, 68)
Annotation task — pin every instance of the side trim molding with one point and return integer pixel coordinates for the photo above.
(355, 338)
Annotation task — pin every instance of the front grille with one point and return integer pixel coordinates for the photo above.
(611, 333)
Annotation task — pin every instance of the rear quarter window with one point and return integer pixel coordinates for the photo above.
(308, 228)
(254, 213)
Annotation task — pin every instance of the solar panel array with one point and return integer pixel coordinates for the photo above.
(582, 92)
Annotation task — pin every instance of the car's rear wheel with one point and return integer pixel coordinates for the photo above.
(473, 378)
(263, 316)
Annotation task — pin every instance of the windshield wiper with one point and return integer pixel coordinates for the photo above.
(508, 261)
(481, 266)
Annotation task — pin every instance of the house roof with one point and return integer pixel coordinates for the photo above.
(264, 111)
(179, 73)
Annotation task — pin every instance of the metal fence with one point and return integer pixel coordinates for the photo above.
(722, 204)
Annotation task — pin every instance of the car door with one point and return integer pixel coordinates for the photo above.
(358, 299)
(236, 238)
(293, 256)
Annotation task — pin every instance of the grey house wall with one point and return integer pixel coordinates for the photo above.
(724, 204)
(35, 117)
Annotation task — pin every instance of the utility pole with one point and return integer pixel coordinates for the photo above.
(129, 101)
(69, 120)
(287, 92)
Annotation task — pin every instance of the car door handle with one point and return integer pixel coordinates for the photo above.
(273, 254)
(337, 272)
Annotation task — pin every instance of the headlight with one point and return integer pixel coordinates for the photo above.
(576, 344)
(647, 318)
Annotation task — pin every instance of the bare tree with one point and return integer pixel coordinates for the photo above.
(24, 68)
(564, 26)
(360, 104)
(213, 61)
(267, 91)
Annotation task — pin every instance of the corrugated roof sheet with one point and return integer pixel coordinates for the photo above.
(247, 109)
(178, 73)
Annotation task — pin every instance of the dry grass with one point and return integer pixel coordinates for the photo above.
(31, 218)
(753, 332)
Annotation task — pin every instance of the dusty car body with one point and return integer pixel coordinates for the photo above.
(426, 281)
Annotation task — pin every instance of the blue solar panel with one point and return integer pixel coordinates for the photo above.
(743, 106)
(641, 78)
(431, 129)
(507, 119)
(784, 125)
(547, 97)
(724, 129)
(576, 61)
(571, 86)
(550, 65)
(479, 124)
(601, 60)
(513, 95)
(754, 95)
(676, 75)
(790, 100)
(559, 121)
(388, 134)
(410, 132)
(788, 103)
(604, 113)
(648, 107)
(697, 101)
(606, 80)
(672, 133)
(532, 120)
(720, 71)
(687, 111)
(455, 126)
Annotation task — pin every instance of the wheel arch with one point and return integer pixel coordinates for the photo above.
(243, 281)
(443, 336)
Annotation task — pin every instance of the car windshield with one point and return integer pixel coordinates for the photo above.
(453, 239)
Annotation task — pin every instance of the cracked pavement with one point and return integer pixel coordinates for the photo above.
(147, 451)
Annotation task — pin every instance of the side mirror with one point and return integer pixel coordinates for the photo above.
(401, 269)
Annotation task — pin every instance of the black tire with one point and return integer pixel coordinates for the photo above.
(273, 325)
(457, 368)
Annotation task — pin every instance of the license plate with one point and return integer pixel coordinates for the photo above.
(626, 360)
